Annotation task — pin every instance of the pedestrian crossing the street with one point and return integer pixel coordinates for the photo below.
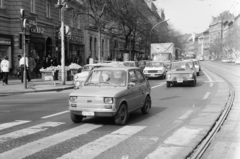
(92, 149)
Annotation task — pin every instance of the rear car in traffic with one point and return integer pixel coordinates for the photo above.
(181, 72)
(155, 69)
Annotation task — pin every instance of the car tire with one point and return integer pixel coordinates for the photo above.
(146, 106)
(168, 84)
(76, 118)
(121, 116)
(194, 82)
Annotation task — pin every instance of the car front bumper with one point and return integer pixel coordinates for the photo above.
(93, 110)
(154, 75)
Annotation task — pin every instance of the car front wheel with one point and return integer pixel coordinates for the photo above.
(146, 106)
(122, 115)
(76, 118)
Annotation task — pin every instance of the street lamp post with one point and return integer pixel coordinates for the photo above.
(63, 7)
(157, 24)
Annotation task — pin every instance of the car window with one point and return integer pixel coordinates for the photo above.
(140, 76)
(132, 77)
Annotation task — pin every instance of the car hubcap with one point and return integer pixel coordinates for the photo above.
(122, 114)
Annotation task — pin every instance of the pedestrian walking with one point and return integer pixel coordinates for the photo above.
(31, 67)
(21, 65)
(0, 71)
(5, 70)
(37, 67)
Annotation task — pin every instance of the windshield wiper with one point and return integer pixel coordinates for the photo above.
(107, 83)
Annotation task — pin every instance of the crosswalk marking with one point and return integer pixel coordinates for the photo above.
(12, 124)
(49, 116)
(28, 131)
(102, 144)
(44, 143)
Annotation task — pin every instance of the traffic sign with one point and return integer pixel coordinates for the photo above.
(30, 22)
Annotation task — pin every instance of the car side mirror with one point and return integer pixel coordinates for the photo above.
(131, 84)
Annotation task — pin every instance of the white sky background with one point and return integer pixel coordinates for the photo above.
(194, 16)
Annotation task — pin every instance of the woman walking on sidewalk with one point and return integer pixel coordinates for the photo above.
(5, 70)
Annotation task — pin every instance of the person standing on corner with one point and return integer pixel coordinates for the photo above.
(5, 69)
(21, 65)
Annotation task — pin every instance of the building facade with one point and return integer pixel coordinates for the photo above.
(44, 40)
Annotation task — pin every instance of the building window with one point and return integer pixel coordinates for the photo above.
(71, 19)
(48, 9)
(79, 22)
(33, 6)
(60, 15)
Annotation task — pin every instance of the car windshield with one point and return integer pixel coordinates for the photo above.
(86, 68)
(129, 64)
(181, 65)
(154, 64)
(115, 78)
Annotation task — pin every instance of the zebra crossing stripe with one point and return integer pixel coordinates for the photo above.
(12, 124)
(28, 131)
(93, 149)
(44, 143)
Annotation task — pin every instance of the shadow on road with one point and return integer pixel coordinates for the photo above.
(134, 117)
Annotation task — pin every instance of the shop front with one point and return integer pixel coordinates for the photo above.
(6, 47)
(37, 43)
(76, 50)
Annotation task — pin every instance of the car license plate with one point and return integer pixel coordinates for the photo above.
(88, 113)
(179, 80)
(152, 75)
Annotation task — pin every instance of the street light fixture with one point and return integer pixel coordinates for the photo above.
(157, 24)
(64, 7)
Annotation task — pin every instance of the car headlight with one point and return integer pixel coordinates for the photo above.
(190, 75)
(144, 71)
(77, 83)
(108, 100)
(168, 76)
(159, 71)
(75, 77)
(72, 98)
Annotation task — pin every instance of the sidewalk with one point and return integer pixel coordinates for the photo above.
(35, 85)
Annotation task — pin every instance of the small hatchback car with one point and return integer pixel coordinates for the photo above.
(111, 92)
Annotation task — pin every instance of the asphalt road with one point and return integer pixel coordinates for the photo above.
(38, 125)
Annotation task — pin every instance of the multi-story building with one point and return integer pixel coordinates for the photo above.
(43, 40)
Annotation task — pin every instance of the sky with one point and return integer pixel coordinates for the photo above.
(194, 16)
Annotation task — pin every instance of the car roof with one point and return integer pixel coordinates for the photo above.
(117, 68)
(101, 64)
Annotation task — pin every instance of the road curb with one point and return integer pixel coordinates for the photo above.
(36, 90)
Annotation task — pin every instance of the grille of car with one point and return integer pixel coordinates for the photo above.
(152, 71)
(180, 75)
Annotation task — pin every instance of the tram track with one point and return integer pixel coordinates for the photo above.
(199, 150)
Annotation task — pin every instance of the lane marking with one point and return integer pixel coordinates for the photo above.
(209, 78)
(49, 116)
(206, 95)
(211, 85)
(185, 115)
(11, 124)
(28, 131)
(158, 85)
(93, 149)
(36, 146)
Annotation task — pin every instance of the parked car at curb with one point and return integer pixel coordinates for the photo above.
(111, 92)
(130, 63)
(79, 78)
(181, 72)
(155, 69)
